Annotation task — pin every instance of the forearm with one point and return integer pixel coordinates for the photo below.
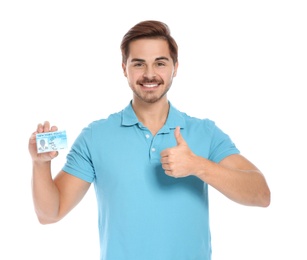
(244, 186)
(46, 196)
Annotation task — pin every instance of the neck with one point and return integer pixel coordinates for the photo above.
(152, 115)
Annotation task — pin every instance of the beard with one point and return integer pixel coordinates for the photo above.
(149, 96)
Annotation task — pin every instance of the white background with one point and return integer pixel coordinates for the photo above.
(243, 64)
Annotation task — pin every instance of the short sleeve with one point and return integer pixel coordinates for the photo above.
(221, 145)
(79, 160)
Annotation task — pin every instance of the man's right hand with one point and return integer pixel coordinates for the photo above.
(41, 157)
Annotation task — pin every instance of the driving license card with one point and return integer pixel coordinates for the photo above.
(51, 141)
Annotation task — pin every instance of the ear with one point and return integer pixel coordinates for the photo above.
(124, 69)
(175, 69)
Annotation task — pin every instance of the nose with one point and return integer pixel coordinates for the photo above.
(149, 73)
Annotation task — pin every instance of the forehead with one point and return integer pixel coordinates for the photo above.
(148, 49)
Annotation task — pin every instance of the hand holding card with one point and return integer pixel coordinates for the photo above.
(51, 141)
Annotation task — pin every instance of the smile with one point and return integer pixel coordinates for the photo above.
(150, 85)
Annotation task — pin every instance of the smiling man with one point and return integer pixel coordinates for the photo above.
(150, 163)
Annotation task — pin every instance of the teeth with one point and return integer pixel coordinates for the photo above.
(150, 85)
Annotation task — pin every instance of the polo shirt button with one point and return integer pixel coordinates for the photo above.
(153, 149)
(147, 135)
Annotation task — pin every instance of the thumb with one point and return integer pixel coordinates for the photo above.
(178, 136)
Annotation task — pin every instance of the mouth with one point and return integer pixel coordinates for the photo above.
(149, 85)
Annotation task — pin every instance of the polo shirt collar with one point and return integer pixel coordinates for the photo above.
(129, 117)
(174, 118)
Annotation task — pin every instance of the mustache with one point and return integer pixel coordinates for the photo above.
(149, 81)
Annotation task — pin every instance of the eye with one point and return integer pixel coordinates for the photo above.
(160, 64)
(138, 64)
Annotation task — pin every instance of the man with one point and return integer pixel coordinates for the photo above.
(150, 163)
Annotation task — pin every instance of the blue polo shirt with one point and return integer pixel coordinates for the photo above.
(143, 213)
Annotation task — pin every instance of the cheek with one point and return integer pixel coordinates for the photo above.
(167, 73)
(134, 75)
(168, 76)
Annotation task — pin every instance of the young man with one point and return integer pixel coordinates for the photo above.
(150, 163)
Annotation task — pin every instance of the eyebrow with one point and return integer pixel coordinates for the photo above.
(157, 59)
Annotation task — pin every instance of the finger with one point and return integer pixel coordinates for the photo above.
(53, 154)
(40, 128)
(169, 173)
(165, 152)
(33, 137)
(164, 166)
(178, 136)
(48, 156)
(46, 126)
(54, 128)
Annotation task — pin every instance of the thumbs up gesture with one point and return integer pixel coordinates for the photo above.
(178, 161)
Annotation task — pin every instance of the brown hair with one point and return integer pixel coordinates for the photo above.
(149, 29)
